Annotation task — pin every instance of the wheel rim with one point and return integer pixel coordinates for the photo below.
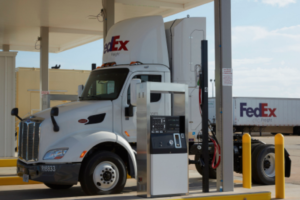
(106, 175)
(269, 165)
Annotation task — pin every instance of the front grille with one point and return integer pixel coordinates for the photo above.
(29, 140)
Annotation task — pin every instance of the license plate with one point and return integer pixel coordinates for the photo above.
(25, 178)
(48, 168)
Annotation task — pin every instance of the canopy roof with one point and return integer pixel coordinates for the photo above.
(71, 22)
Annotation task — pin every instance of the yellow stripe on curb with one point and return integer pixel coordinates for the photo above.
(8, 162)
(15, 180)
(248, 196)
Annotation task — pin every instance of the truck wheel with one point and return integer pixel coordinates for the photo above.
(103, 173)
(263, 165)
(212, 172)
(58, 187)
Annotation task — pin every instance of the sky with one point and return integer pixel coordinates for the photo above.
(265, 48)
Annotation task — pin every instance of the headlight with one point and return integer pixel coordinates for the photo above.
(55, 154)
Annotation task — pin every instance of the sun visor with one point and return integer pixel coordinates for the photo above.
(140, 39)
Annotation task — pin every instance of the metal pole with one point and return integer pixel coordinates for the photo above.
(44, 65)
(224, 121)
(214, 87)
(205, 153)
(108, 16)
(211, 88)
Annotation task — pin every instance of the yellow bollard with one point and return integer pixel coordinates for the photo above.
(247, 167)
(279, 167)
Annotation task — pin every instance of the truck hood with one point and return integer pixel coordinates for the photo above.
(75, 118)
(63, 108)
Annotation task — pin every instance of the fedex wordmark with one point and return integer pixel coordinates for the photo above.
(260, 111)
(115, 45)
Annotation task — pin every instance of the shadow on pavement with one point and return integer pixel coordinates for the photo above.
(195, 185)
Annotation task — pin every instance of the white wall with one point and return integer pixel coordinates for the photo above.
(7, 102)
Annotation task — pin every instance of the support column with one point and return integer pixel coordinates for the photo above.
(223, 74)
(109, 16)
(7, 102)
(44, 65)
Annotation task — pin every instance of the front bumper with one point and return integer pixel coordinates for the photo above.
(60, 174)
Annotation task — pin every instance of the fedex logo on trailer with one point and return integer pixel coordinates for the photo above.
(113, 45)
(260, 111)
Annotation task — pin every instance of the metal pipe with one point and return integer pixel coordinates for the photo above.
(205, 152)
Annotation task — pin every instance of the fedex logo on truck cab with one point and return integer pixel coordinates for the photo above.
(113, 45)
(261, 111)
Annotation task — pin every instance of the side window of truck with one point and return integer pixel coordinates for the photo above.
(155, 97)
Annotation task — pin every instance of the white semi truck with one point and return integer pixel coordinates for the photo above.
(93, 141)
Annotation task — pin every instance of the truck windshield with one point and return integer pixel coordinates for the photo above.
(104, 84)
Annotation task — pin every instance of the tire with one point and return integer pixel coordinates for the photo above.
(296, 130)
(58, 187)
(254, 146)
(103, 173)
(212, 172)
(263, 165)
(255, 150)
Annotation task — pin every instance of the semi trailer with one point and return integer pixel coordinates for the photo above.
(259, 114)
(93, 141)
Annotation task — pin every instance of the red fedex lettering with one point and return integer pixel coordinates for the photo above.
(263, 110)
(114, 43)
(123, 45)
(272, 112)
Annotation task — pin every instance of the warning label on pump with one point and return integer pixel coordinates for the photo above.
(227, 77)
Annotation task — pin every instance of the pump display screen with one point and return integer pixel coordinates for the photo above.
(173, 124)
(166, 124)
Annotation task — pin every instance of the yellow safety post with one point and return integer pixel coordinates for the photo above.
(279, 167)
(247, 167)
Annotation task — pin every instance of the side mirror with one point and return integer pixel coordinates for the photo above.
(133, 94)
(54, 112)
(15, 112)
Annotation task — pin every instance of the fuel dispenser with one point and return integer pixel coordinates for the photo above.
(162, 142)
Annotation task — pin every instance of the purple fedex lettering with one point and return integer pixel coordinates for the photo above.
(242, 109)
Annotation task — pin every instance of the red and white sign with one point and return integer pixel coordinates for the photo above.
(44, 93)
(227, 77)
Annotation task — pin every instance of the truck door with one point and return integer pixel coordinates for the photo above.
(157, 103)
